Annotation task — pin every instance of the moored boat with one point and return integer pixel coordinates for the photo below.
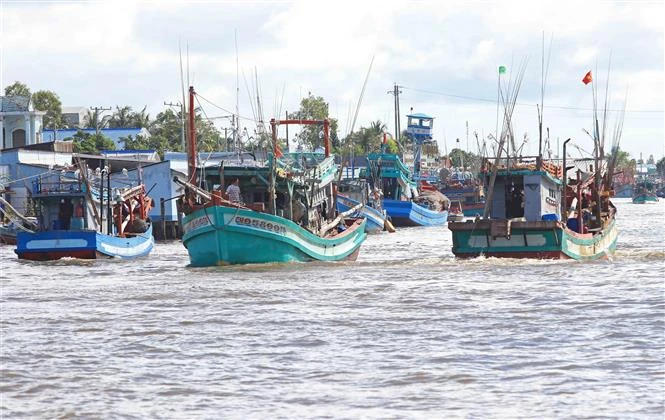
(354, 192)
(77, 219)
(403, 201)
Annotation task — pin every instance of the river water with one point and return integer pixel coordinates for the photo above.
(407, 331)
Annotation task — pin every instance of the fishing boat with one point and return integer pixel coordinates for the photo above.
(525, 217)
(80, 219)
(527, 211)
(644, 190)
(403, 202)
(286, 211)
(354, 192)
(407, 201)
(465, 192)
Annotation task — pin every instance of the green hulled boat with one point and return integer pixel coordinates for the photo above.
(286, 211)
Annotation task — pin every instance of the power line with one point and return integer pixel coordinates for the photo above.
(471, 98)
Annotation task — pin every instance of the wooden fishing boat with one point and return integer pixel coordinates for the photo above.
(287, 211)
(354, 192)
(644, 192)
(525, 219)
(80, 220)
(527, 210)
(404, 203)
(465, 192)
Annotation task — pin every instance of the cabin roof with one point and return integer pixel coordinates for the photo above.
(420, 115)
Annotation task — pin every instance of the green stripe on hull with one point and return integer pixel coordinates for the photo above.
(224, 235)
(546, 240)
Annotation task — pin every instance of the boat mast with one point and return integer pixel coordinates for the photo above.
(191, 150)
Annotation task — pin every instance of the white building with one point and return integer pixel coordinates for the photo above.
(20, 124)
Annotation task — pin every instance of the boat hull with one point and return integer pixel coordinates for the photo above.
(408, 213)
(83, 244)
(537, 240)
(375, 220)
(219, 235)
(645, 198)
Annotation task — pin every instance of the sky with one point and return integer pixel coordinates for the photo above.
(443, 55)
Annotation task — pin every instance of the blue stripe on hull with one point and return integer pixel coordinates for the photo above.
(56, 244)
(375, 219)
(408, 213)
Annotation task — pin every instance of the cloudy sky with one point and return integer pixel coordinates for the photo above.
(444, 55)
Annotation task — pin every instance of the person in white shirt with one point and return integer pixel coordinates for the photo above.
(233, 191)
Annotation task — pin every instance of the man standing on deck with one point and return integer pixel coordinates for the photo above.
(233, 191)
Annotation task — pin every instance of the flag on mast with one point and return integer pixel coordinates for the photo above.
(587, 78)
(502, 69)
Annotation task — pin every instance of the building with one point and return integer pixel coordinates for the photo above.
(20, 124)
(74, 116)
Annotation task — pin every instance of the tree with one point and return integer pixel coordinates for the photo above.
(459, 158)
(141, 119)
(315, 108)
(90, 143)
(660, 167)
(45, 100)
(17, 89)
(94, 119)
(121, 118)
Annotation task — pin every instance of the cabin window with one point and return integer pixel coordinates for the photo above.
(552, 193)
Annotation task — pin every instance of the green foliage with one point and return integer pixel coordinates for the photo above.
(623, 159)
(91, 143)
(125, 117)
(660, 167)
(45, 100)
(460, 158)
(367, 139)
(17, 89)
(315, 108)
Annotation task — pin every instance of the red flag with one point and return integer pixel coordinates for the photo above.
(587, 78)
(278, 151)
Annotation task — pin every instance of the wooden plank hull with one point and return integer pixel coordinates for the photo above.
(220, 235)
(408, 213)
(83, 244)
(375, 220)
(538, 240)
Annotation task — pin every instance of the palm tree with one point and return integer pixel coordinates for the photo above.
(141, 119)
(121, 118)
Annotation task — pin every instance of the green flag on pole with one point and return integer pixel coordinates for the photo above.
(502, 69)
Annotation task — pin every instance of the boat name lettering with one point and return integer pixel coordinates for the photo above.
(197, 223)
(260, 224)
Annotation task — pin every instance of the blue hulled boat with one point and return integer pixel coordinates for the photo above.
(78, 219)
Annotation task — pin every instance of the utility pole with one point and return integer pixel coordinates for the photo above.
(98, 110)
(395, 92)
(287, 132)
(182, 121)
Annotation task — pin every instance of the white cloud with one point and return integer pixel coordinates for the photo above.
(115, 53)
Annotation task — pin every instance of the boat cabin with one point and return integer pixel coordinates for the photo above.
(525, 194)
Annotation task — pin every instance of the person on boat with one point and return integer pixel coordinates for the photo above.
(65, 211)
(233, 191)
